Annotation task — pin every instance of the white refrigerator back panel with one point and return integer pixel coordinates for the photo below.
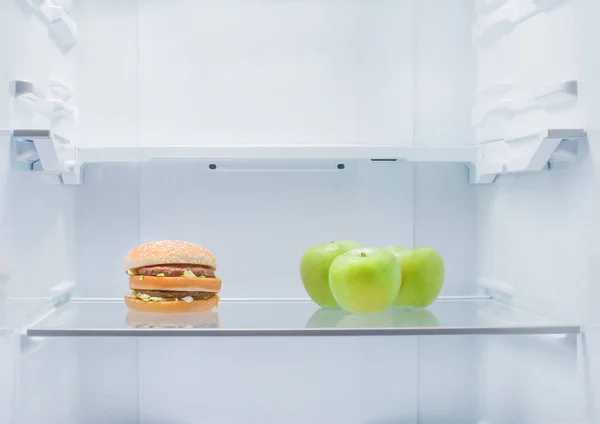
(448, 379)
(238, 72)
(443, 72)
(105, 64)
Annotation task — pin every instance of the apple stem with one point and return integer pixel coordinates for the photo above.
(363, 254)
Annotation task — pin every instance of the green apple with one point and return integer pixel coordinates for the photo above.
(314, 270)
(365, 280)
(422, 275)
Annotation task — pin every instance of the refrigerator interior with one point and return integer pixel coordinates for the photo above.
(275, 125)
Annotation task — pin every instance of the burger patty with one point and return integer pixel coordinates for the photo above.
(175, 270)
(177, 294)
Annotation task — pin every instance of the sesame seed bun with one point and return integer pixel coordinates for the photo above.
(212, 285)
(169, 252)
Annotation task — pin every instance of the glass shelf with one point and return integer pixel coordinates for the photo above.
(472, 316)
(14, 313)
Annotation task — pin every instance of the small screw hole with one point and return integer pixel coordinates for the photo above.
(212, 166)
(341, 166)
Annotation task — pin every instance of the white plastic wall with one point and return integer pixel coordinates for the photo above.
(7, 348)
(533, 234)
(443, 72)
(238, 72)
(538, 53)
(106, 79)
(36, 219)
(450, 379)
(590, 65)
(36, 237)
(533, 230)
(538, 233)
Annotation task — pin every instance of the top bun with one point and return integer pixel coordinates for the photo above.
(169, 252)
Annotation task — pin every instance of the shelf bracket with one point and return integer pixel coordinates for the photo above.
(500, 19)
(55, 16)
(54, 106)
(508, 105)
(531, 153)
(42, 150)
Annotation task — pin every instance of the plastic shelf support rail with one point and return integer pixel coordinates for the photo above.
(53, 106)
(45, 151)
(508, 105)
(529, 153)
(503, 18)
(54, 15)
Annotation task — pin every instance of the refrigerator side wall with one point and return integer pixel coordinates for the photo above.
(589, 16)
(7, 341)
(36, 234)
(532, 229)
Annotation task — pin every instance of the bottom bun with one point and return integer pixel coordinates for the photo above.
(172, 307)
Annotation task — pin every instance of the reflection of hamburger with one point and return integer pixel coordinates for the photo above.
(209, 319)
(172, 276)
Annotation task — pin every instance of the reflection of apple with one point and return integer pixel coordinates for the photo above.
(314, 270)
(376, 320)
(414, 317)
(325, 318)
(422, 276)
(365, 280)
(391, 318)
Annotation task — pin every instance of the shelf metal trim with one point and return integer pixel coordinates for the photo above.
(303, 332)
(268, 299)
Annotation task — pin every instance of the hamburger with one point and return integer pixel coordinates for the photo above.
(172, 276)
